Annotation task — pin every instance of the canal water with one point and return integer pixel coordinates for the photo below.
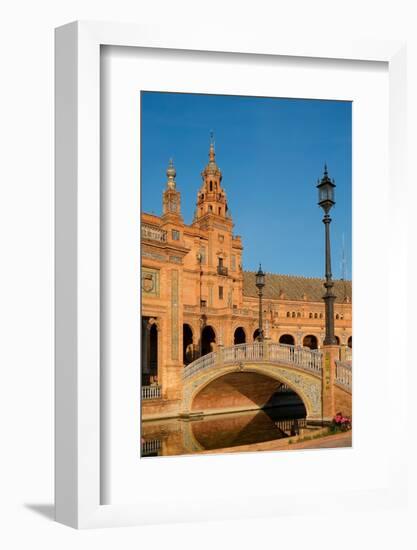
(220, 431)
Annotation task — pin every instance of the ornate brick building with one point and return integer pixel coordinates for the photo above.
(196, 296)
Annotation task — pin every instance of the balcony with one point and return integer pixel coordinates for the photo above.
(222, 270)
(152, 233)
(151, 392)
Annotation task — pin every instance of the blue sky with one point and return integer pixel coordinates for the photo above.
(271, 152)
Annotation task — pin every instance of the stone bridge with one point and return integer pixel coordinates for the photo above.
(300, 369)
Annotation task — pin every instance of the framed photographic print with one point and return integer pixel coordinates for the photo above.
(238, 360)
(219, 207)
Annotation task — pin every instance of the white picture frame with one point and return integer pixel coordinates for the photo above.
(78, 406)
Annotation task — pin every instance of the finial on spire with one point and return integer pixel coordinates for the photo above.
(325, 169)
(212, 153)
(171, 173)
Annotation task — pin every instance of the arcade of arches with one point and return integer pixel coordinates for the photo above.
(196, 295)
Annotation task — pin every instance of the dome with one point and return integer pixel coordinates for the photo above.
(171, 173)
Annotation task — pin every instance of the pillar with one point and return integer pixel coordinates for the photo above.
(330, 355)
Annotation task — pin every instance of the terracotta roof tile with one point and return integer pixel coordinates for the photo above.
(294, 287)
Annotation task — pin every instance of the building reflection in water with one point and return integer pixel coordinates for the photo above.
(220, 431)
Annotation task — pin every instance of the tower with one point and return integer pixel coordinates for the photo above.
(171, 197)
(211, 198)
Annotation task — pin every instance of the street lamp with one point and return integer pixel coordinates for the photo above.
(326, 201)
(260, 283)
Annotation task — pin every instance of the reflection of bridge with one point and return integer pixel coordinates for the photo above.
(299, 369)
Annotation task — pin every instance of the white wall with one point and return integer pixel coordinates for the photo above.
(26, 274)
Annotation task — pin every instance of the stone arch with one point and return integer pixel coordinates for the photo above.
(208, 340)
(150, 342)
(287, 339)
(187, 344)
(153, 353)
(337, 340)
(256, 334)
(239, 336)
(310, 341)
(306, 386)
(349, 342)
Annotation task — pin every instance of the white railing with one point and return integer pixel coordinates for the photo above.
(288, 425)
(151, 392)
(344, 374)
(270, 352)
(348, 353)
(153, 233)
(151, 446)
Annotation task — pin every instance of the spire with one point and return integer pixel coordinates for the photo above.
(212, 167)
(171, 196)
(212, 153)
(171, 173)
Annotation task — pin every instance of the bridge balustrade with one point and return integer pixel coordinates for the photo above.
(343, 375)
(271, 352)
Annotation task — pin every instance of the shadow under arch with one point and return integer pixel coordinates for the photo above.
(275, 376)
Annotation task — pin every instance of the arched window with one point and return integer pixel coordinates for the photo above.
(211, 186)
(220, 211)
(293, 314)
(187, 344)
(298, 314)
(350, 342)
(315, 316)
(321, 315)
(287, 339)
(208, 340)
(256, 335)
(288, 314)
(310, 341)
(210, 208)
(239, 336)
(337, 316)
(310, 315)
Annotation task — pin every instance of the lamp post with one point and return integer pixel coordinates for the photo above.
(260, 283)
(326, 201)
(199, 258)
